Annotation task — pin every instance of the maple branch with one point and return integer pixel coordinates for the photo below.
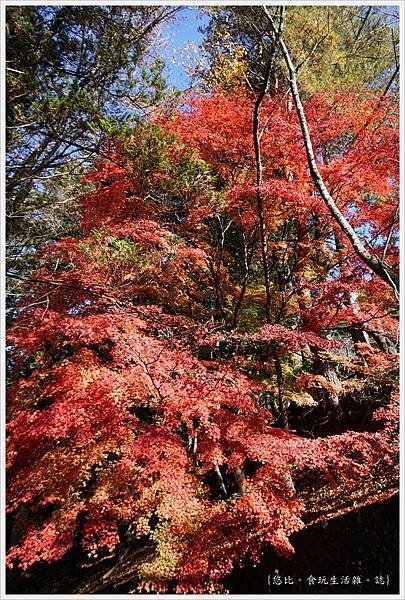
(221, 480)
(82, 288)
(145, 366)
(390, 232)
(378, 266)
(359, 323)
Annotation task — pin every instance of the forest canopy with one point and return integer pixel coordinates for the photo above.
(203, 289)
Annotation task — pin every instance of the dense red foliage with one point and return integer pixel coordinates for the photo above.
(120, 428)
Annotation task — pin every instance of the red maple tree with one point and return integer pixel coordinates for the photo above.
(136, 412)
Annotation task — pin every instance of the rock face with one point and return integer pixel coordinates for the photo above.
(361, 544)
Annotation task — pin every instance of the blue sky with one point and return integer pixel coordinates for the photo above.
(180, 32)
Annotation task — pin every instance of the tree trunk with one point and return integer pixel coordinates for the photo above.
(375, 264)
(280, 386)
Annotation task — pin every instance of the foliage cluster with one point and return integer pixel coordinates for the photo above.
(205, 350)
